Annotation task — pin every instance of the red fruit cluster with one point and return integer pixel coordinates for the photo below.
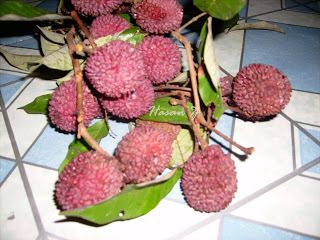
(158, 16)
(96, 7)
(88, 179)
(144, 152)
(261, 90)
(108, 25)
(63, 110)
(209, 180)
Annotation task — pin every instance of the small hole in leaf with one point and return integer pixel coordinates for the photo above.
(121, 214)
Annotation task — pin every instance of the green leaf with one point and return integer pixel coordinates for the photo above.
(125, 16)
(163, 111)
(59, 59)
(210, 95)
(48, 47)
(27, 63)
(182, 148)
(221, 9)
(210, 57)
(97, 131)
(14, 10)
(132, 35)
(202, 39)
(38, 106)
(52, 36)
(132, 202)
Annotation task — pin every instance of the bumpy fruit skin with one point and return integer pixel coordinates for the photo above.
(209, 180)
(88, 179)
(261, 90)
(161, 57)
(171, 129)
(157, 16)
(115, 69)
(144, 153)
(108, 25)
(63, 109)
(131, 105)
(96, 7)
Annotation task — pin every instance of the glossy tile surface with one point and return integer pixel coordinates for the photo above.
(278, 192)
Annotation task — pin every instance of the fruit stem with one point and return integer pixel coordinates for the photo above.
(83, 28)
(192, 20)
(247, 151)
(82, 130)
(195, 126)
(193, 74)
(169, 87)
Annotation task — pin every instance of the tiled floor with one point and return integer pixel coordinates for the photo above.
(278, 193)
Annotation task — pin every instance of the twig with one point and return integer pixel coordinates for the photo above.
(83, 28)
(193, 74)
(168, 87)
(195, 127)
(192, 20)
(247, 151)
(82, 130)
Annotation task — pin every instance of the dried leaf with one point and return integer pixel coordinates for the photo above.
(257, 25)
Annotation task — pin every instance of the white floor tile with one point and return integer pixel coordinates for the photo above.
(167, 219)
(257, 6)
(5, 143)
(26, 127)
(208, 232)
(304, 107)
(228, 50)
(15, 212)
(293, 205)
(272, 158)
(291, 17)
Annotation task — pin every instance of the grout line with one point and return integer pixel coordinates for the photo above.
(22, 171)
(35, 140)
(18, 95)
(7, 158)
(311, 177)
(306, 6)
(40, 166)
(56, 236)
(282, 4)
(299, 90)
(220, 230)
(225, 71)
(270, 225)
(309, 124)
(14, 71)
(293, 149)
(246, 200)
(8, 175)
(12, 82)
(316, 141)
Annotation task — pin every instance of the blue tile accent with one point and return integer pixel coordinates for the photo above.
(5, 167)
(117, 131)
(10, 90)
(224, 126)
(7, 78)
(296, 53)
(49, 5)
(234, 228)
(32, 42)
(312, 6)
(309, 150)
(50, 149)
(243, 12)
(26, 41)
